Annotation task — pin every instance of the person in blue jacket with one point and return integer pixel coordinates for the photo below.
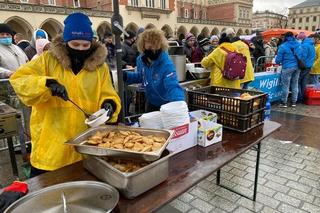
(309, 56)
(156, 71)
(287, 56)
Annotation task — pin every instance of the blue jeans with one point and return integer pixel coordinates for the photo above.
(289, 77)
(314, 79)
(303, 81)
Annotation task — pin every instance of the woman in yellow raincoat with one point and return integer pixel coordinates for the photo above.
(73, 68)
(216, 60)
(315, 71)
(243, 48)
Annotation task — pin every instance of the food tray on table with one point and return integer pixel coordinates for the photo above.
(227, 100)
(132, 183)
(82, 146)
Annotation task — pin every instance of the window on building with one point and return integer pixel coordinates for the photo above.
(195, 15)
(314, 18)
(186, 13)
(307, 28)
(300, 20)
(163, 4)
(307, 19)
(204, 15)
(134, 3)
(24, 1)
(76, 3)
(52, 2)
(293, 20)
(150, 3)
(313, 28)
(299, 28)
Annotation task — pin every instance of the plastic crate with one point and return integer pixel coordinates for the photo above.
(313, 101)
(238, 123)
(312, 93)
(223, 99)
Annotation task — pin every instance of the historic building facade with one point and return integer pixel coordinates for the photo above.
(305, 16)
(262, 20)
(174, 17)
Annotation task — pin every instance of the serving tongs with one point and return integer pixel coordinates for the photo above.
(90, 117)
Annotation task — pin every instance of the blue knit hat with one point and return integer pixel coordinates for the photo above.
(77, 26)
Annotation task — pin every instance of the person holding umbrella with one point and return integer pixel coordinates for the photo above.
(155, 71)
(74, 69)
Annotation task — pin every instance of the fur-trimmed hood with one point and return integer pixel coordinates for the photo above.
(95, 60)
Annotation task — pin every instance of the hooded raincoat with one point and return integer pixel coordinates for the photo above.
(53, 120)
(243, 48)
(308, 52)
(316, 66)
(286, 52)
(31, 49)
(215, 61)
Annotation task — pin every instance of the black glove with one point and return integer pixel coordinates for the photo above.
(57, 89)
(7, 198)
(110, 106)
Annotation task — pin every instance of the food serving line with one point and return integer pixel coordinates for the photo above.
(186, 169)
(151, 167)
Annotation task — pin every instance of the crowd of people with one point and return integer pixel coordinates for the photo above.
(75, 66)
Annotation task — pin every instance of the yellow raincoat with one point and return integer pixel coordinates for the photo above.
(316, 66)
(53, 120)
(216, 61)
(244, 50)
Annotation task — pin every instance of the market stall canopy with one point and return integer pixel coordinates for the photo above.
(277, 32)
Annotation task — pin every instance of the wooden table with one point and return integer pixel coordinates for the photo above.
(186, 169)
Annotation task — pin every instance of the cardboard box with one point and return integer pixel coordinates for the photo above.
(185, 137)
(209, 136)
(209, 132)
(205, 118)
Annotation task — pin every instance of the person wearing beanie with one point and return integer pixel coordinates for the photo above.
(301, 36)
(74, 69)
(215, 61)
(203, 49)
(288, 54)
(11, 56)
(42, 45)
(129, 52)
(214, 40)
(31, 49)
(189, 47)
(111, 57)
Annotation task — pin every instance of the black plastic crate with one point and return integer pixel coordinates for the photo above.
(225, 100)
(236, 122)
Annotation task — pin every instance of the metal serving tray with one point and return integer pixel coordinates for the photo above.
(78, 196)
(80, 145)
(130, 184)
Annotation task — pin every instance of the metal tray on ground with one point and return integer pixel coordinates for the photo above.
(78, 196)
(80, 145)
(130, 184)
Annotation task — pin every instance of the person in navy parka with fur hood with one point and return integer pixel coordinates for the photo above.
(155, 71)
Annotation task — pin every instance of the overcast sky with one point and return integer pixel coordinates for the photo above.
(274, 5)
